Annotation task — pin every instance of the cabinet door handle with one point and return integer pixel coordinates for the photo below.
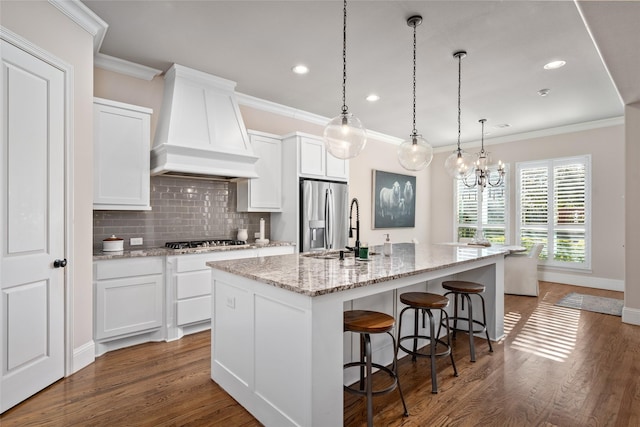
(60, 263)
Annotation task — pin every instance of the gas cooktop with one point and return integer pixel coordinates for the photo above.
(204, 243)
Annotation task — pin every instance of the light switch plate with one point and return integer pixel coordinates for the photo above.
(135, 241)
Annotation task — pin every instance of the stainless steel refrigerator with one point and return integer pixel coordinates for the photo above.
(323, 215)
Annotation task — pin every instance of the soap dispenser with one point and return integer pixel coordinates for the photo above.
(387, 248)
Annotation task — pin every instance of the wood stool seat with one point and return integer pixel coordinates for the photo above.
(425, 302)
(462, 286)
(365, 323)
(462, 291)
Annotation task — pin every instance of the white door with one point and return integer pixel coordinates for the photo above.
(32, 225)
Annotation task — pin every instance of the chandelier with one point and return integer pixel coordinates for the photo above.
(345, 136)
(415, 153)
(483, 170)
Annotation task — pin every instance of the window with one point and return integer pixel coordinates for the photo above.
(493, 210)
(554, 208)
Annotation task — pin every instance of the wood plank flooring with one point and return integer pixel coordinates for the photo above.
(556, 367)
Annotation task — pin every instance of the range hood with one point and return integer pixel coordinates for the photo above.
(200, 132)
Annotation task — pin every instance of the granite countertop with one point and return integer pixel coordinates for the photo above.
(323, 273)
(162, 251)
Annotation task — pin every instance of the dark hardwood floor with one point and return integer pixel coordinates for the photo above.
(556, 367)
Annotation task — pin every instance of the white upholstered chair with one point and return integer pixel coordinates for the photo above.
(521, 272)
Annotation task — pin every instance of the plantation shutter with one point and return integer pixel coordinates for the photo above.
(569, 200)
(493, 211)
(554, 208)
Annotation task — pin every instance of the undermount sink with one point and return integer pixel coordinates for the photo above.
(332, 255)
(323, 255)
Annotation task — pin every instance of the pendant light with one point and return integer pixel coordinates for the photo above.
(460, 163)
(345, 136)
(415, 153)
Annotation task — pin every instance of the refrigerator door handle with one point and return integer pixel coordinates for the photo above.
(328, 212)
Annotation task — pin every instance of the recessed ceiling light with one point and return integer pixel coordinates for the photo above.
(373, 97)
(502, 126)
(554, 64)
(544, 92)
(300, 69)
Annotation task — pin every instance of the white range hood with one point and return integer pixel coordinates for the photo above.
(200, 132)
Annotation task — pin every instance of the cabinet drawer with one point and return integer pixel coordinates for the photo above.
(193, 284)
(194, 310)
(198, 262)
(113, 269)
(275, 250)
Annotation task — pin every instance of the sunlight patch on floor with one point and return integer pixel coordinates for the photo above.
(550, 331)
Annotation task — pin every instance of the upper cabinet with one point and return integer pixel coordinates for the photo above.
(263, 194)
(314, 161)
(121, 140)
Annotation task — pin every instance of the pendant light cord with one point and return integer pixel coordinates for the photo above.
(344, 60)
(415, 132)
(459, 109)
(482, 136)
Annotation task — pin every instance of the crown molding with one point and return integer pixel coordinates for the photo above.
(97, 27)
(85, 18)
(111, 63)
(294, 113)
(577, 127)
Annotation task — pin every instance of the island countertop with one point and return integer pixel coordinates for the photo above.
(315, 274)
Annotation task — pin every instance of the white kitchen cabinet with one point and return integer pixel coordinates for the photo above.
(121, 140)
(189, 287)
(316, 162)
(337, 169)
(303, 156)
(263, 194)
(128, 302)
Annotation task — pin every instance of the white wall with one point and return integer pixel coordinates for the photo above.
(383, 156)
(46, 27)
(631, 311)
(606, 146)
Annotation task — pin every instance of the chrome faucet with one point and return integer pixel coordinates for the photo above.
(356, 247)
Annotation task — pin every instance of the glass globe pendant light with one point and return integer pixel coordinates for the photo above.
(460, 163)
(345, 136)
(415, 153)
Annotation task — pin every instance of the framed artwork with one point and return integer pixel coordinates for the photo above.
(394, 200)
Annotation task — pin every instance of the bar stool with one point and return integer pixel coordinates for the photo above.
(365, 323)
(425, 302)
(464, 290)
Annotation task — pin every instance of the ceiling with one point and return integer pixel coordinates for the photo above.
(256, 43)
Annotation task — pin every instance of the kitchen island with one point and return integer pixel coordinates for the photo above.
(277, 333)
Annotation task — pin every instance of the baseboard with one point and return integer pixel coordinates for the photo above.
(581, 280)
(83, 356)
(631, 316)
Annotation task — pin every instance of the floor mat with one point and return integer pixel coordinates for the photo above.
(603, 305)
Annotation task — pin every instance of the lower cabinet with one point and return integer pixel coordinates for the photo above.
(189, 287)
(159, 298)
(129, 302)
(189, 290)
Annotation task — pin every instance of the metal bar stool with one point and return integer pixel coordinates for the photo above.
(464, 290)
(426, 302)
(365, 323)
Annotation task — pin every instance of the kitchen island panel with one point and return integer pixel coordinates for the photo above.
(312, 352)
(258, 358)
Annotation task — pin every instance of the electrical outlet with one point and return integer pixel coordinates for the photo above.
(135, 241)
(231, 302)
(256, 235)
